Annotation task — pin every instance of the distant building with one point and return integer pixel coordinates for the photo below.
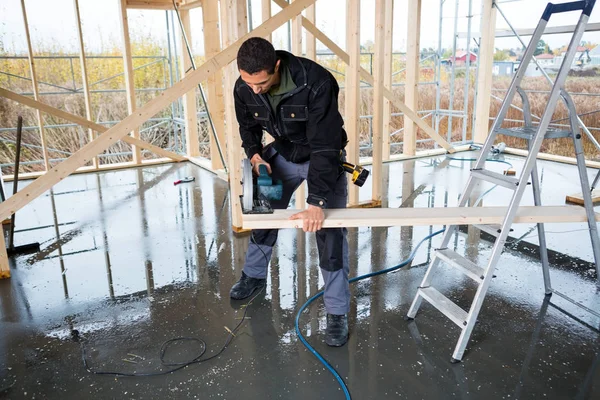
(460, 58)
(581, 57)
(545, 59)
(504, 68)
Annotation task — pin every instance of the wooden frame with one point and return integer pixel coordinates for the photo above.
(150, 4)
(484, 80)
(84, 76)
(35, 86)
(385, 217)
(190, 101)
(387, 77)
(411, 97)
(352, 91)
(216, 107)
(378, 71)
(365, 76)
(266, 14)
(87, 123)
(129, 77)
(297, 51)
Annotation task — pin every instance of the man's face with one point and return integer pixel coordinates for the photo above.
(261, 82)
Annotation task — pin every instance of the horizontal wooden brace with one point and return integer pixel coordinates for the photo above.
(385, 217)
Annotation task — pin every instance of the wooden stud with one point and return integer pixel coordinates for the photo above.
(4, 267)
(387, 76)
(216, 107)
(484, 80)
(86, 123)
(376, 175)
(117, 132)
(297, 51)
(35, 86)
(266, 14)
(311, 41)
(411, 97)
(84, 76)
(190, 101)
(577, 198)
(149, 4)
(384, 217)
(352, 90)
(365, 76)
(129, 76)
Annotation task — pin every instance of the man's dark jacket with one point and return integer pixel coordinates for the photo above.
(306, 125)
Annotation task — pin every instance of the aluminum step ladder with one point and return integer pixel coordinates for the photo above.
(534, 134)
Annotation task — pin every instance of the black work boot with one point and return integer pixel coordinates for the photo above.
(337, 330)
(246, 286)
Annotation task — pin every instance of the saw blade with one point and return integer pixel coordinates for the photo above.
(247, 195)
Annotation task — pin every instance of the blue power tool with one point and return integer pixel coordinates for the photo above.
(258, 192)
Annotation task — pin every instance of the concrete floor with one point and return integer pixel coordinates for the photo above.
(130, 261)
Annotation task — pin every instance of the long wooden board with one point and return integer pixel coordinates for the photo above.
(111, 136)
(384, 217)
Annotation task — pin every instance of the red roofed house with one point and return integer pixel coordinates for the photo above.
(460, 58)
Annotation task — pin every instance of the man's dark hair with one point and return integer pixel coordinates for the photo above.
(255, 55)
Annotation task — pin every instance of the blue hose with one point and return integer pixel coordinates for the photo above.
(356, 279)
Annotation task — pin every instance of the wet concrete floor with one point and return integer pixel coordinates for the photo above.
(130, 261)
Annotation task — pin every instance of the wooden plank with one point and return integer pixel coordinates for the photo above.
(297, 51)
(35, 86)
(484, 80)
(190, 101)
(365, 76)
(4, 267)
(577, 198)
(311, 41)
(101, 167)
(378, 71)
(61, 171)
(411, 96)
(150, 4)
(188, 5)
(266, 14)
(387, 77)
(216, 107)
(352, 91)
(84, 75)
(129, 76)
(384, 217)
(86, 123)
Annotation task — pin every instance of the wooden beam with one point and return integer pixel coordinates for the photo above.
(35, 86)
(111, 136)
(4, 267)
(297, 51)
(87, 123)
(266, 14)
(387, 77)
(577, 198)
(411, 96)
(365, 76)
(190, 101)
(384, 217)
(484, 80)
(352, 91)
(376, 171)
(188, 5)
(311, 41)
(84, 76)
(150, 4)
(216, 107)
(129, 76)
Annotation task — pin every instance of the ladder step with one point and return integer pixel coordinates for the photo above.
(465, 266)
(528, 132)
(445, 305)
(496, 178)
(492, 229)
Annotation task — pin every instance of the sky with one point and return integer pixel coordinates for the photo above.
(52, 23)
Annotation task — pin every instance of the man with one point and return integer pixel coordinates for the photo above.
(296, 101)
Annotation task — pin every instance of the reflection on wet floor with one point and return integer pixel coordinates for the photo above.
(130, 261)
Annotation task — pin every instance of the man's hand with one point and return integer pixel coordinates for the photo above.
(313, 218)
(256, 160)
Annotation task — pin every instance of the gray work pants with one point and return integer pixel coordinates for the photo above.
(331, 242)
